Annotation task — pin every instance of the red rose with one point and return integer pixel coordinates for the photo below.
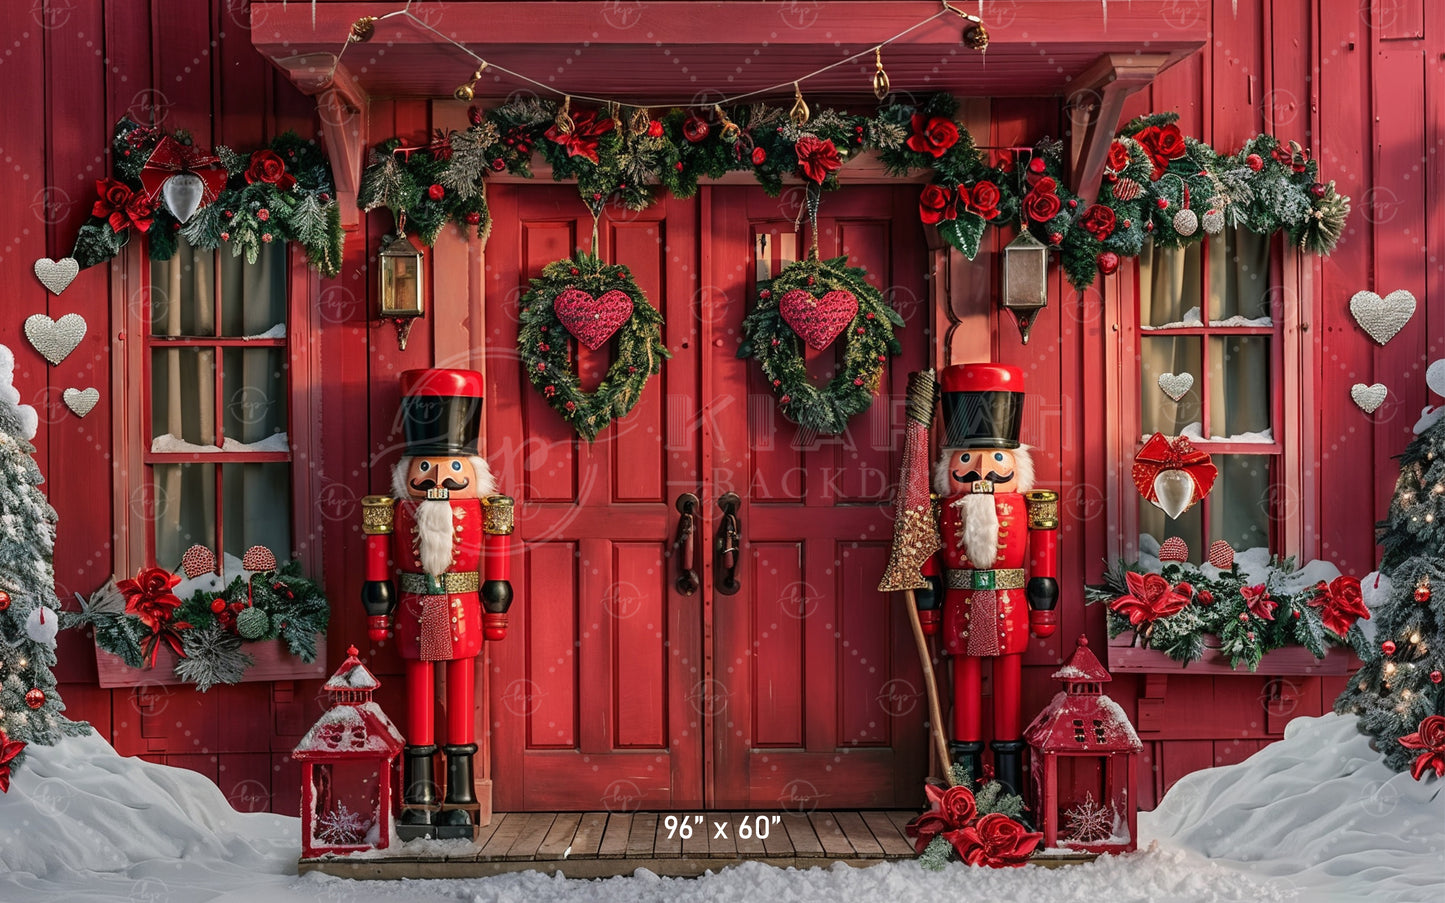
(1161, 144)
(1342, 604)
(1254, 162)
(1430, 737)
(817, 157)
(982, 199)
(958, 806)
(586, 135)
(937, 203)
(997, 841)
(436, 192)
(140, 210)
(1150, 598)
(1257, 600)
(932, 135)
(1041, 206)
(1046, 185)
(654, 129)
(1118, 156)
(266, 166)
(1099, 221)
(114, 195)
(1205, 597)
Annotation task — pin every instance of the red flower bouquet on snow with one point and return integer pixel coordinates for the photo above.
(1429, 737)
(994, 840)
(150, 597)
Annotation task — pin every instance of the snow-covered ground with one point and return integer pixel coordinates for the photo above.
(1315, 817)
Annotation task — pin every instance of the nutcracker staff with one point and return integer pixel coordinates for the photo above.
(993, 580)
(442, 525)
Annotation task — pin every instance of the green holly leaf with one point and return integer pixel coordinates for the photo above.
(963, 233)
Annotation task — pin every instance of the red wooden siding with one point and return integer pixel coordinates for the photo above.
(1361, 87)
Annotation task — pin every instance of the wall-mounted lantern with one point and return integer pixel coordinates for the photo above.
(402, 294)
(1025, 279)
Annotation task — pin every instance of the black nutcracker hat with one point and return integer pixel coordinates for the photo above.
(441, 411)
(983, 405)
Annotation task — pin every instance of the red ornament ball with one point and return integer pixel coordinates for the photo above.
(1435, 677)
(1243, 617)
(1254, 162)
(695, 129)
(1108, 263)
(1055, 237)
(654, 129)
(759, 156)
(436, 192)
(1163, 203)
(474, 218)
(1073, 203)
(1037, 165)
(4, 600)
(1318, 190)
(218, 606)
(35, 698)
(1388, 647)
(1422, 594)
(263, 214)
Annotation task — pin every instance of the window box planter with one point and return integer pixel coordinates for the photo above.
(273, 662)
(1290, 661)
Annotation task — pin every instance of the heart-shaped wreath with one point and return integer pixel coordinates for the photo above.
(817, 301)
(582, 298)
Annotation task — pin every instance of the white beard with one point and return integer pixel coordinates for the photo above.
(434, 535)
(979, 535)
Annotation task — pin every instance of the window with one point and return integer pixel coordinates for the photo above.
(216, 431)
(1207, 312)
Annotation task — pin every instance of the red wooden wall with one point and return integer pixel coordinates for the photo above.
(1362, 87)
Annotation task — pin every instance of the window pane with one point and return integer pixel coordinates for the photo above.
(257, 507)
(1169, 286)
(183, 396)
(1155, 526)
(1239, 388)
(1239, 279)
(253, 295)
(255, 393)
(1175, 355)
(184, 499)
(182, 297)
(1241, 505)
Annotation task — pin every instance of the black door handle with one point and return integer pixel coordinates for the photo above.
(729, 545)
(687, 580)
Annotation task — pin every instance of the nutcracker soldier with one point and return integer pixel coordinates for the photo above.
(443, 524)
(993, 580)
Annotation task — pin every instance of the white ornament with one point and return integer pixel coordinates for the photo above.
(56, 275)
(1186, 222)
(42, 626)
(55, 339)
(1214, 221)
(81, 401)
(1435, 377)
(1383, 317)
(1368, 398)
(1176, 385)
(183, 193)
(1174, 490)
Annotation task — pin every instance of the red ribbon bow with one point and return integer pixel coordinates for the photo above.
(1160, 454)
(171, 157)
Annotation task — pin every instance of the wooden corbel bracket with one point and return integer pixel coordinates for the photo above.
(1095, 101)
(341, 107)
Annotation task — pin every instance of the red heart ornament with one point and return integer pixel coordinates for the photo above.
(258, 558)
(1221, 555)
(197, 560)
(592, 321)
(818, 320)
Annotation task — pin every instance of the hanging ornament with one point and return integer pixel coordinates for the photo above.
(880, 78)
(1221, 555)
(730, 131)
(1174, 549)
(467, 90)
(799, 113)
(640, 123)
(1176, 385)
(55, 339)
(1108, 263)
(183, 176)
(1173, 475)
(362, 30)
(35, 698)
(42, 625)
(1214, 217)
(1126, 189)
(1422, 590)
(1382, 318)
(56, 275)
(1388, 647)
(1369, 398)
(4, 600)
(1435, 677)
(1185, 221)
(563, 119)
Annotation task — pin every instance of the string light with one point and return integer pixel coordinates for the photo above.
(975, 36)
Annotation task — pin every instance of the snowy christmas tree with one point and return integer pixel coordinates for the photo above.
(30, 706)
(1400, 683)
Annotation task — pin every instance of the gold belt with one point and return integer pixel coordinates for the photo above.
(426, 585)
(999, 578)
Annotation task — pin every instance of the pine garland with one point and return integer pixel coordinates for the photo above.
(868, 341)
(548, 351)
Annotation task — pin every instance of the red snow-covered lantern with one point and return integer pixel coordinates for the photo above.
(347, 759)
(1083, 741)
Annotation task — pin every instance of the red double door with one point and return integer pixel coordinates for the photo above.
(615, 688)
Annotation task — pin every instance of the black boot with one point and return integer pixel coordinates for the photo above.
(970, 756)
(456, 817)
(1008, 764)
(418, 793)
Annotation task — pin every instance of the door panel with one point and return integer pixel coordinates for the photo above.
(816, 668)
(589, 690)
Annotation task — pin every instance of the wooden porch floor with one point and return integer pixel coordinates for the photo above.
(601, 844)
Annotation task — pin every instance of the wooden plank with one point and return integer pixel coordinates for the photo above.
(484, 834)
(776, 842)
(668, 845)
(864, 843)
(614, 838)
(888, 834)
(588, 838)
(751, 847)
(508, 828)
(834, 841)
(726, 846)
(643, 835)
(800, 832)
(699, 844)
(559, 838)
(531, 836)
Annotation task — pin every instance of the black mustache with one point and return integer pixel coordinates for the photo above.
(449, 483)
(973, 476)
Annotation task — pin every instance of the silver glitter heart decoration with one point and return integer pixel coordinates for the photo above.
(1176, 385)
(56, 275)
(1435, 377)
(1174, 490)
(1369, 398)
(1383, 317)
(183, 193)
(55, 339)
(81, 401)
